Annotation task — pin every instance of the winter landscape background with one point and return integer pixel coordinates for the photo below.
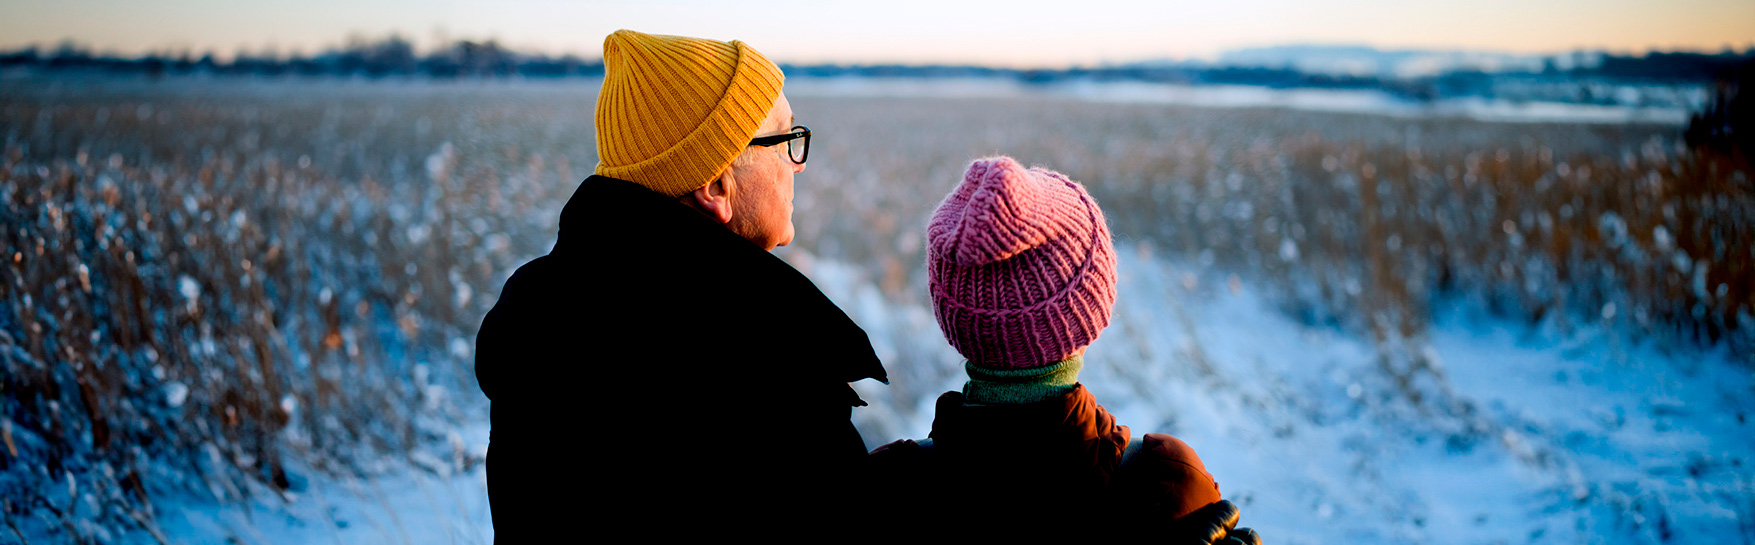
(244, 309)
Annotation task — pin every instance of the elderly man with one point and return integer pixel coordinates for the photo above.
(659, 365)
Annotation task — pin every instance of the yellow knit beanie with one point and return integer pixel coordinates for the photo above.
(675, 111)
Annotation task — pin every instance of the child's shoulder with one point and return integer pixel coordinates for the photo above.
(1163, 472)
(1163, 448)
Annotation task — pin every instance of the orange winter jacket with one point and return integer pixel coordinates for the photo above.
(1023, 467)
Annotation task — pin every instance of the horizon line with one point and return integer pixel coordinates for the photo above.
(273, 51)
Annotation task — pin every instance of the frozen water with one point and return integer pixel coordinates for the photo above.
(1364, 101)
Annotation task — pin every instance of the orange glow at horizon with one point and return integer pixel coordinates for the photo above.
(990, 32)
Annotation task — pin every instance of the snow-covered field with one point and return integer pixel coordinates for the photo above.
(1504, 433)
(1520, 366)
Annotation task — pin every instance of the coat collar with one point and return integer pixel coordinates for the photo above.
(1073, 420)
(607, 215)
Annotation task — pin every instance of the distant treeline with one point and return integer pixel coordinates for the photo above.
(396, 56)
(393, 56)
(1727, 124)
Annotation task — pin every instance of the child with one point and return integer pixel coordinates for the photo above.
(1023, 279)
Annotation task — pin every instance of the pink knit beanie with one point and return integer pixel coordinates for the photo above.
(1022, 270)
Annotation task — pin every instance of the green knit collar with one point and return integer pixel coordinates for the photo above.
(1019, 386)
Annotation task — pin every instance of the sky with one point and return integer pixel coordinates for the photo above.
(1017, 33)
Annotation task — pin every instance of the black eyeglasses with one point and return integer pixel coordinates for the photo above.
(797, 143)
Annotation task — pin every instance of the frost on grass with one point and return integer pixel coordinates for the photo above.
(237, 291)
(225, 285)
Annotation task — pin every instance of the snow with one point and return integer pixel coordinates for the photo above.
(1520, 434)
(1481, 429)
(435, 505)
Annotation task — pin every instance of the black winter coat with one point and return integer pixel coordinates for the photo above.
(657, 372)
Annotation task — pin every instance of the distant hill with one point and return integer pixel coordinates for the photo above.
(1358, 60)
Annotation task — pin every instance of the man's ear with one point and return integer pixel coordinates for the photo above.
(714, 199)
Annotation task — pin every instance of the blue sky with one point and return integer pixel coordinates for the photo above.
(1008, 33)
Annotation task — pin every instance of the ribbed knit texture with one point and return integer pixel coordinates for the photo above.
(675, 111)
(1020, 386)
(1020, 266)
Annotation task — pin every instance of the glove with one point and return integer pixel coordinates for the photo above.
(1242, 536)
(1213, 525)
